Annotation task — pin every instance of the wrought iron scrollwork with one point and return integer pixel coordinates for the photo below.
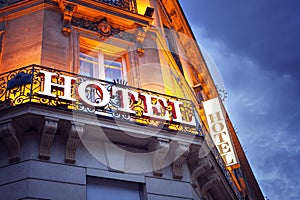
(26, 84)
(129, 5)
(8, 2)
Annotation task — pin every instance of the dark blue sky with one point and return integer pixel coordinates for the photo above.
(255, 45)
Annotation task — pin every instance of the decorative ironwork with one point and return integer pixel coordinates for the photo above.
(222, 93)
(23, 86)
(120, 83)
(4, 3)
(129, 5)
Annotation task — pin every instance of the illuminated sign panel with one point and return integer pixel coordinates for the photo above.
(65, 90)
(219, 132)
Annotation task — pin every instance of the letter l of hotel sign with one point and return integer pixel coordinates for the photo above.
(218, 130)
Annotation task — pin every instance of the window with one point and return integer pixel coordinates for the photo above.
(101, 188)
(198, 92)
(101, 65)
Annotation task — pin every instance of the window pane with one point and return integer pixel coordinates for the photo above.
(98, 65)
(88, 65)
(102, 189)
(113, 68)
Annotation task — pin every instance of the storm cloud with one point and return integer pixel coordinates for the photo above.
(255, 46)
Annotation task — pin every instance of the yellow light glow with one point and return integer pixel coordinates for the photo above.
(142, 6)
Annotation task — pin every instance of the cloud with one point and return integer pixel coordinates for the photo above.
(263, 107)
(266, 30)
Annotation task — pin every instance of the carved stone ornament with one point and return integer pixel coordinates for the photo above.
(213, 181)
(198, 168)
(102, 27)
(161, 148)
(68, 12)
(140, 37)
(181, 152)
(48, 134)
(8, 134)
(74, 134)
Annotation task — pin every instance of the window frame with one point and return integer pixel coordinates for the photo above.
(99, 68)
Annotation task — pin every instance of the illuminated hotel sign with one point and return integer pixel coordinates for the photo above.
(65, 90)
(154, 106)
(219, 132)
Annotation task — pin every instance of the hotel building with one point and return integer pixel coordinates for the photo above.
(112, 99)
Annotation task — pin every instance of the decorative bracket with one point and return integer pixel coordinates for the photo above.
(8, 133)
(48, 134)
(74, 134)
(161, 148)
(213, 180)
(68, 11)
(202, 166)
(172, 14)
(181, 153)
(140, 37)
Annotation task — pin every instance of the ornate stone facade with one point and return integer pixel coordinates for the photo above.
(51, 147)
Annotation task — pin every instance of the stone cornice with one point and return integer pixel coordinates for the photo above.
(59, 122)
(38, 111)
(22, 8)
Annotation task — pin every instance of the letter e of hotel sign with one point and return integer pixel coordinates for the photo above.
(218, 130)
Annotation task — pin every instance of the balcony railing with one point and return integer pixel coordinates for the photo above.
(4, 3)
(129, 5)
(26, 85)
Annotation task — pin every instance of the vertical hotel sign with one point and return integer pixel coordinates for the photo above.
(219, 131)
